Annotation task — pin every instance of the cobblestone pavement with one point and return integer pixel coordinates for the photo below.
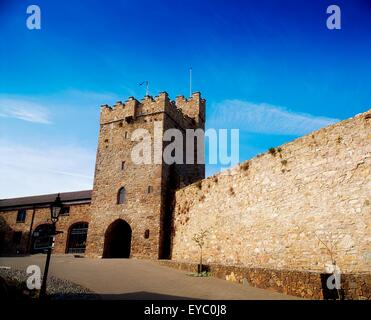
(139, 279)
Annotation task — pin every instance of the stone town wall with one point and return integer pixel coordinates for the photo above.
(309, 285)
(281, 209)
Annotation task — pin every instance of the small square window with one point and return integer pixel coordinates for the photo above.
(17, 236)
(21, 215)
(65, 211)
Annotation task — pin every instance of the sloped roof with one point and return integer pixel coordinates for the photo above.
(45, 200)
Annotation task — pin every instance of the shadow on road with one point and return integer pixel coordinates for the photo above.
(140, 295)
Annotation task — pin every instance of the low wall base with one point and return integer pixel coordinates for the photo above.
(305, 284)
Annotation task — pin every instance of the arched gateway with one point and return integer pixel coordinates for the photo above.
(117, 240)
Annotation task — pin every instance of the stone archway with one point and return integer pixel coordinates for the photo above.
(117, 240)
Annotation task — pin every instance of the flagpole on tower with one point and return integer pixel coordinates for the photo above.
(190, 82)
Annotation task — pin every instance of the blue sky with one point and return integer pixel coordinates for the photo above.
(270, 68)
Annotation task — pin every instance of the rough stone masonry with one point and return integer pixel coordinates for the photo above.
(290, 208)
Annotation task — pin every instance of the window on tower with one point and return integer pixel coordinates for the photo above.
(146, 234)
(121, 196)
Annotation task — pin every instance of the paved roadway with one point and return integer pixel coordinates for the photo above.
(140, 279)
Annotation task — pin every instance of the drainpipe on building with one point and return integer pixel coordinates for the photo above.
(29, 242)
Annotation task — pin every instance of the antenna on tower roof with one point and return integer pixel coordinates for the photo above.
(190, 81)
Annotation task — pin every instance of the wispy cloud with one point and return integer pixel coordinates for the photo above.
(26, 170)
(29, 166)
(264, 118)
(24, 109)
(39, 108)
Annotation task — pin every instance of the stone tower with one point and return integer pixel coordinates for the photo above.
(131, 208)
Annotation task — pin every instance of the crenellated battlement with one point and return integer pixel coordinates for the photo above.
(194, 107)
(119, 111)
(182, 109)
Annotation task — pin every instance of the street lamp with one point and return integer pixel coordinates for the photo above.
(55, 210)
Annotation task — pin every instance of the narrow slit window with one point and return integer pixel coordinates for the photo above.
(146, 234)
(121, 196)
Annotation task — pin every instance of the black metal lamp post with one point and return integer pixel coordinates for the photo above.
(55, 210)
